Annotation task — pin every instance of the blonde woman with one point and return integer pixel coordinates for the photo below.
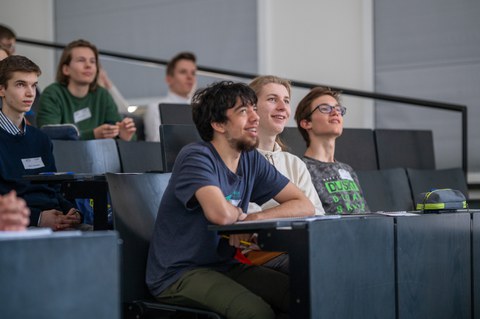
(273, 108)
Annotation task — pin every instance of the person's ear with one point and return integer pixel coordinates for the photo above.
(218, 127)
(65, 70)
(168, 80)
(306, 124)
(2, 91)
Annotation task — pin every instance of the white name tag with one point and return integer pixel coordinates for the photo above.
(32, 163)
(81, 115)
(345, 174)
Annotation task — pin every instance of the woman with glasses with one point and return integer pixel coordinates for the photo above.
(319, 118)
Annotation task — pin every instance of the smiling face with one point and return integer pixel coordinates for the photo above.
(82, 68)
(19, 93)
(241, 127)
(273, 108)
(330, 125)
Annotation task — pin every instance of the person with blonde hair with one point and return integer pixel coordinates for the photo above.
(273, 108)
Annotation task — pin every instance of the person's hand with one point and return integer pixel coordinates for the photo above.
(251, 216)
(55, 219)
(50, 218)
(106, 131)
(240, 240)
(14, 213)
(126, 128)
(72, 219)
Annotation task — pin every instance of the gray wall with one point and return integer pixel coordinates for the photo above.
(430, 49)
(222, 33)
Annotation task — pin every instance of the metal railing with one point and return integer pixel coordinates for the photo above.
(307, 85)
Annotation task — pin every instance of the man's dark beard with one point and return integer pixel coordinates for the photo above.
(244, 146)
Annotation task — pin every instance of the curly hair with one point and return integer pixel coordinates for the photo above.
(210, 105)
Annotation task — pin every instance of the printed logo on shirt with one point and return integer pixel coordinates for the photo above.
(81, 115)
(234, 198)
(345, 196)
(342, 185)
(32, 163)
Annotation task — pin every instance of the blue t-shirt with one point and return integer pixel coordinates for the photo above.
(181, 240)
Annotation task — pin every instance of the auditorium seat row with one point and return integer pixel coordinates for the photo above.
(393, 165)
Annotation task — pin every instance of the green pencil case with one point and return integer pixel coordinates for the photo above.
(441, 199)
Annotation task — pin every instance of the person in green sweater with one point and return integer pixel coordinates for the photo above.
(77, 99)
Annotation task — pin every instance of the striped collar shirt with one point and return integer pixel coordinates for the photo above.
(7, 125)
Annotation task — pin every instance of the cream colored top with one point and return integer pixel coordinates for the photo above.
(293, 168)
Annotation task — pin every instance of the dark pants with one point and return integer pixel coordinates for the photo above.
(243, 292)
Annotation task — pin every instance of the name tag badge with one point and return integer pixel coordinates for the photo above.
(32, 163)
(345, 174)
(81, 115)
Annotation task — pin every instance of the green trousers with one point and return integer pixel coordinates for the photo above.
(243, 292)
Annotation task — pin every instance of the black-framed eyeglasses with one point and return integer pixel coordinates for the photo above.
(327, 109)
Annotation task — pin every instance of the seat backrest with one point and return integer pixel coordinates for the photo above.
(175, 113)
(140, 156)
(405, 148)
(294, 141)
(386, 190)
(424, 180)
(356, 147)
(66, 131)
(93, 156)
(173, 138)
(135, 202)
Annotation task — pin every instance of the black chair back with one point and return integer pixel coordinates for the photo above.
(356, 147)
(91, 157)
(405, 148)
(425, 180)
(140, 156)
(173, 138)
(175, 113)
(135, 202)
(294, 141)
(386, 190)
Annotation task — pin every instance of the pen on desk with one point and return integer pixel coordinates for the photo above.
(56, 173)
(243, 242)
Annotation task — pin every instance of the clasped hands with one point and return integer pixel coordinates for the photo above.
(124, 129)
(56, 220)
(14, 213)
